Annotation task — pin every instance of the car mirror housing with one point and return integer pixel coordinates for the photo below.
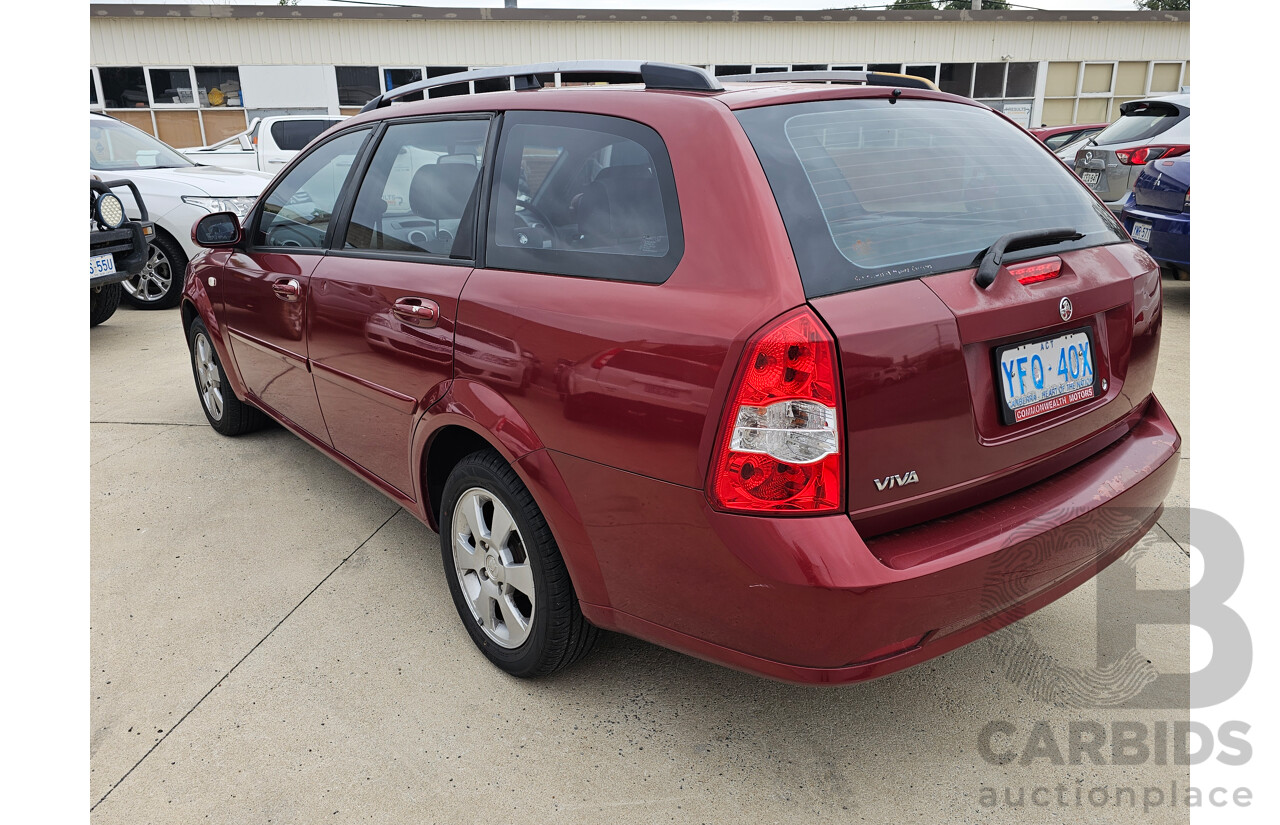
(217, 231)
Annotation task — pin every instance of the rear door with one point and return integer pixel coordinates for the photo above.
(265, 287)
(955, 393)
(384, 300)
(1105, 163)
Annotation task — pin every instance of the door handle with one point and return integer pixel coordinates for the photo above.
(420, 312)
(287, 289)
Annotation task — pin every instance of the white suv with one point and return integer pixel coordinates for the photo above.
(177, 192)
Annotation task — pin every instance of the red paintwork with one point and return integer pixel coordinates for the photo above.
(606, 398)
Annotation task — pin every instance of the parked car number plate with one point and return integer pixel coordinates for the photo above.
(1142, 232)
(1043, 376)
(1090, 178)
(101, 265)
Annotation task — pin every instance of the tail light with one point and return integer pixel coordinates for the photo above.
(1139, 156)
(1037, 271)
(779, 446)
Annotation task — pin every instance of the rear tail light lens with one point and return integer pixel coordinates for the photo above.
(779, 446)
(1037, 271)
(1142, 154)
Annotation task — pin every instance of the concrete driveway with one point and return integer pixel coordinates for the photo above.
(273, 641)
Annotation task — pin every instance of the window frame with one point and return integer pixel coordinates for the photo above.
(342, 213)
(573, 263)
(254, 219)
(151, 96)
(99, 105)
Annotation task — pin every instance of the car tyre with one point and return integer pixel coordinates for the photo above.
(103, 302)
(226, 412)
(159, 284)
(508, 581)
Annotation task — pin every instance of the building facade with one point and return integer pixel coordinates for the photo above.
(194, 74)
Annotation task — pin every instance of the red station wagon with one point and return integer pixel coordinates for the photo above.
(816, 375)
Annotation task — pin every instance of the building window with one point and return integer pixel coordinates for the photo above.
(956, 78)
(357, 85)
(393, 78)
(218, 86)
(171, 86)
(123, 87)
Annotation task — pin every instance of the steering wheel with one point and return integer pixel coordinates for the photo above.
(536, 228)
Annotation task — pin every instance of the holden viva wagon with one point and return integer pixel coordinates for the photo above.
(815, 375)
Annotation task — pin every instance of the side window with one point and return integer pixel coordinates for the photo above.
(583, 195)
(419, 195)
(300, 206)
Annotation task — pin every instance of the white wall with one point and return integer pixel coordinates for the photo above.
(278, 87)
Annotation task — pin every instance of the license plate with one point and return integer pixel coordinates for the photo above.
(1044, 376)
(1142, 232)
(101, 265)
(1090, 178)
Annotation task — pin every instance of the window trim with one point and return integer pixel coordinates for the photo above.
(100, 104)
(254, 220)
(571, 263)
(342, 215)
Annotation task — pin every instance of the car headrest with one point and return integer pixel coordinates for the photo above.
(441, 191)
(621, 205)
(466, 159)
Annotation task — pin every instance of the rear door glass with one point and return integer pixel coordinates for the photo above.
(293, 135)
(873, 192)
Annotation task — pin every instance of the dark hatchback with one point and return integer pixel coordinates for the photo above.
(816, 380)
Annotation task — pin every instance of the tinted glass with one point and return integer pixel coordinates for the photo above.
(297, 212)
(93, 90)
(357, 85)
(1022, 80)
(403, 77)
(123, 87)
(421, 182)
(293, 135)
(583, 195)
(872, 193)
(1146, 120)
(988, 80)
(114, 146)
(956, 78)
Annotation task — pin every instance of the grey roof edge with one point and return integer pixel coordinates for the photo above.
(438, 13)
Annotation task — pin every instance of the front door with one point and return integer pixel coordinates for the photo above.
(265, 287)
(384, 300)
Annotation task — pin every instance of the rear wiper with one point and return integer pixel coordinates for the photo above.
(994, 256)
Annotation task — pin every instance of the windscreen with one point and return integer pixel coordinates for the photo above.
(115, 146)
(873, 192)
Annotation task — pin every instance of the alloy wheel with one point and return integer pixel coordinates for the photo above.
(152, 284)
(208, 376)
(493, 568)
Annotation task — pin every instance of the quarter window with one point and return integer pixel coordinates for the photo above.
(584, 195)
(300, 207)
(419, 194)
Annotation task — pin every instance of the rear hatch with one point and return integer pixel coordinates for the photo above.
(1109, 162)
(1164, 185)
(956, 393)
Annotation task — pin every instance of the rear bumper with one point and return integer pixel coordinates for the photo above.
(1170, 234)
(807, 600)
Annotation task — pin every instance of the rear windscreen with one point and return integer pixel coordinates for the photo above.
(873, 192)
(1139, 121)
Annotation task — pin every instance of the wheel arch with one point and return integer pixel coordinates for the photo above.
(472, 417)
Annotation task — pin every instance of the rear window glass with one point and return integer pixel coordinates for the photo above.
(873, 192)
(1140, 122)
(293, 135)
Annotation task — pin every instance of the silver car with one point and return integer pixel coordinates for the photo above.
(1149, 129)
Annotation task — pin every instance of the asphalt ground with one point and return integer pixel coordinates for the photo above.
(273, 641)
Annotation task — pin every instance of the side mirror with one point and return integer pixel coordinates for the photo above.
(244, 142)
(217, 231)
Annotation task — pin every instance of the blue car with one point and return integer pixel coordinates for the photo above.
(1157, 213)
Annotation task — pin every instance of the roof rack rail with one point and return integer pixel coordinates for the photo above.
(869, 78)
(653, 75)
